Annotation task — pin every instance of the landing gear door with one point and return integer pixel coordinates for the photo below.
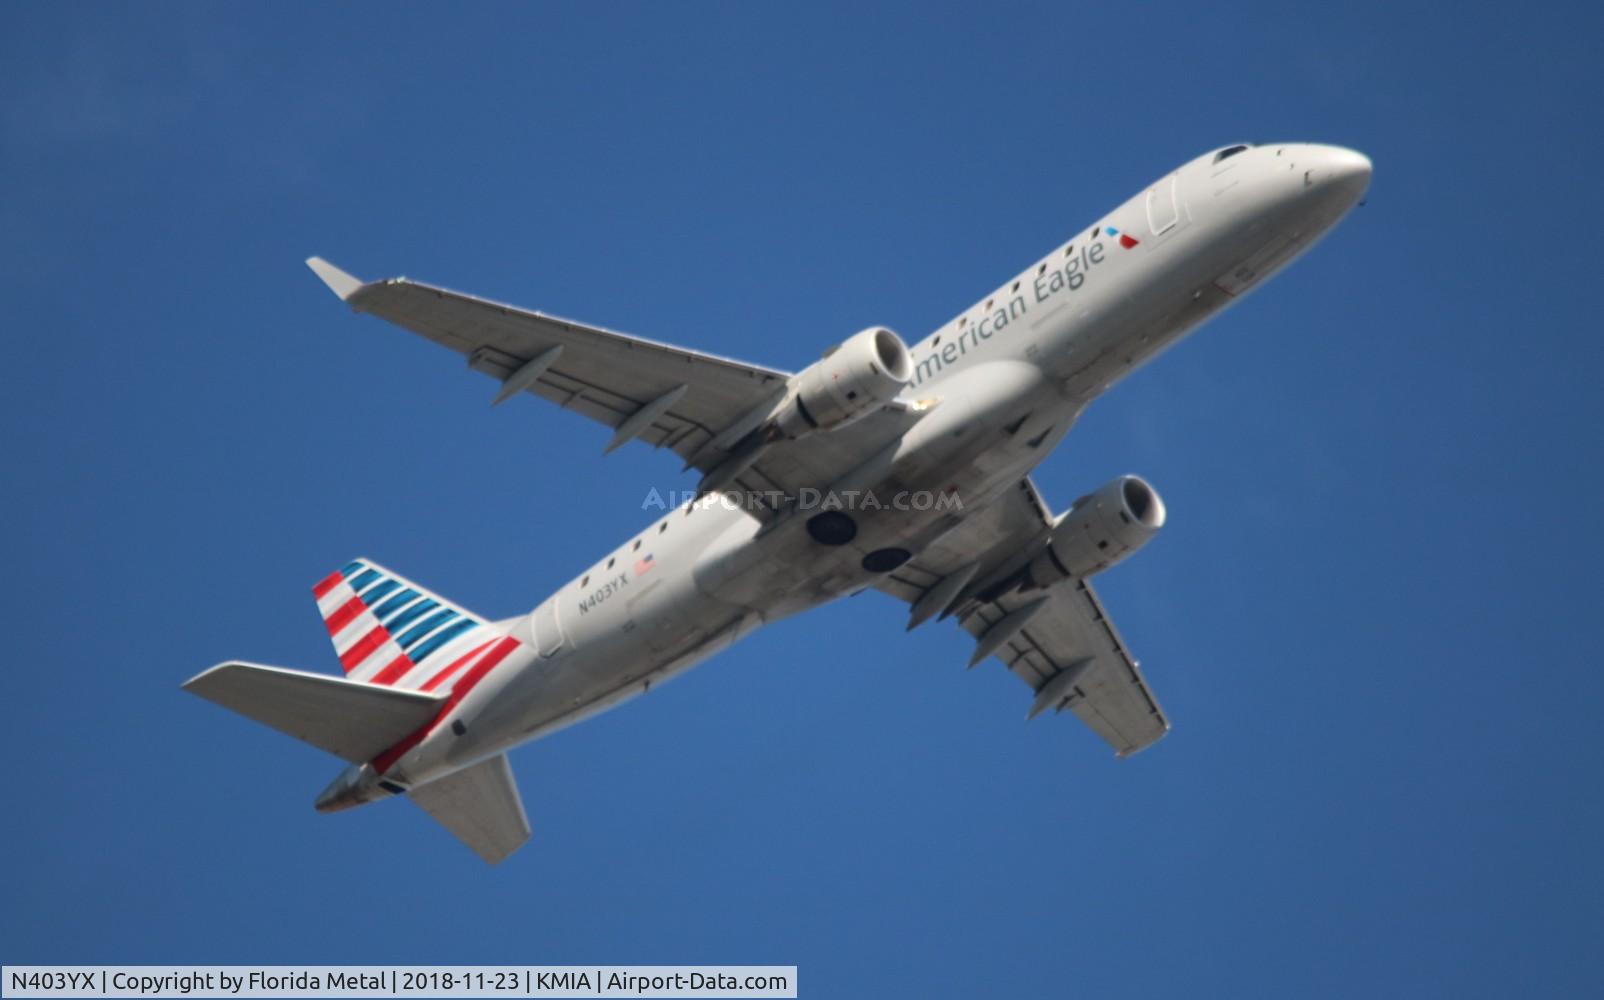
(548, 630)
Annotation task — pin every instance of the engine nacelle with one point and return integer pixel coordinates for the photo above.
(855, 378)
(1099, 531)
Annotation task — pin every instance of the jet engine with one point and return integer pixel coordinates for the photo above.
(854, 378)
(1098, 531)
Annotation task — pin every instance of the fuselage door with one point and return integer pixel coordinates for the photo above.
(1162, 212)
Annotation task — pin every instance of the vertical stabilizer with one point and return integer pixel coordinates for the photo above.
(388, 630)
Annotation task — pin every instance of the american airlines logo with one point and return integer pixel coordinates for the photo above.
(1126, 240)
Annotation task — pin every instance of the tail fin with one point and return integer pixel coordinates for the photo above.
(388, 630)
(348, 719)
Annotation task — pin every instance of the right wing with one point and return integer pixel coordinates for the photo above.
(480, 806)
(1073, 658)
(1068, 652)
(697, 405)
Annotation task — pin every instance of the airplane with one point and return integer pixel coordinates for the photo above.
(901, 469)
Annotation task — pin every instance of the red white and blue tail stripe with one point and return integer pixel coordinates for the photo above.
(388, 630)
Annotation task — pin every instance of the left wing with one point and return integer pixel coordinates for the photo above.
(1067, 650)
(697, 405)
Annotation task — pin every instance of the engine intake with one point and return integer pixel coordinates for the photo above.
(1098, 531)
(853, 379)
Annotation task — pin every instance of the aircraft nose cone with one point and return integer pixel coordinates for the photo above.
(1344, 172)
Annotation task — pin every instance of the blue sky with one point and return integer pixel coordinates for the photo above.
(1372, 617)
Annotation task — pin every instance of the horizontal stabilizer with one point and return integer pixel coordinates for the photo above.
(349, 719)
(480, 806)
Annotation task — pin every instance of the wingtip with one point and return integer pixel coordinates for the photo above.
(340, 283)
(195, 682)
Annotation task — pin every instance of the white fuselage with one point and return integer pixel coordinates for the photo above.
(1038, 350)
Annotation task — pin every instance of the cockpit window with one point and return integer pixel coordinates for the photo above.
(1230, 151)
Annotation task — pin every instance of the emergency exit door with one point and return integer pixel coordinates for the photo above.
(1162, 212)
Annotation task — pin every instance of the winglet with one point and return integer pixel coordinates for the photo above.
(340, 283)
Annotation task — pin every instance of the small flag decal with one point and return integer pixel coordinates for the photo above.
(644, 566)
